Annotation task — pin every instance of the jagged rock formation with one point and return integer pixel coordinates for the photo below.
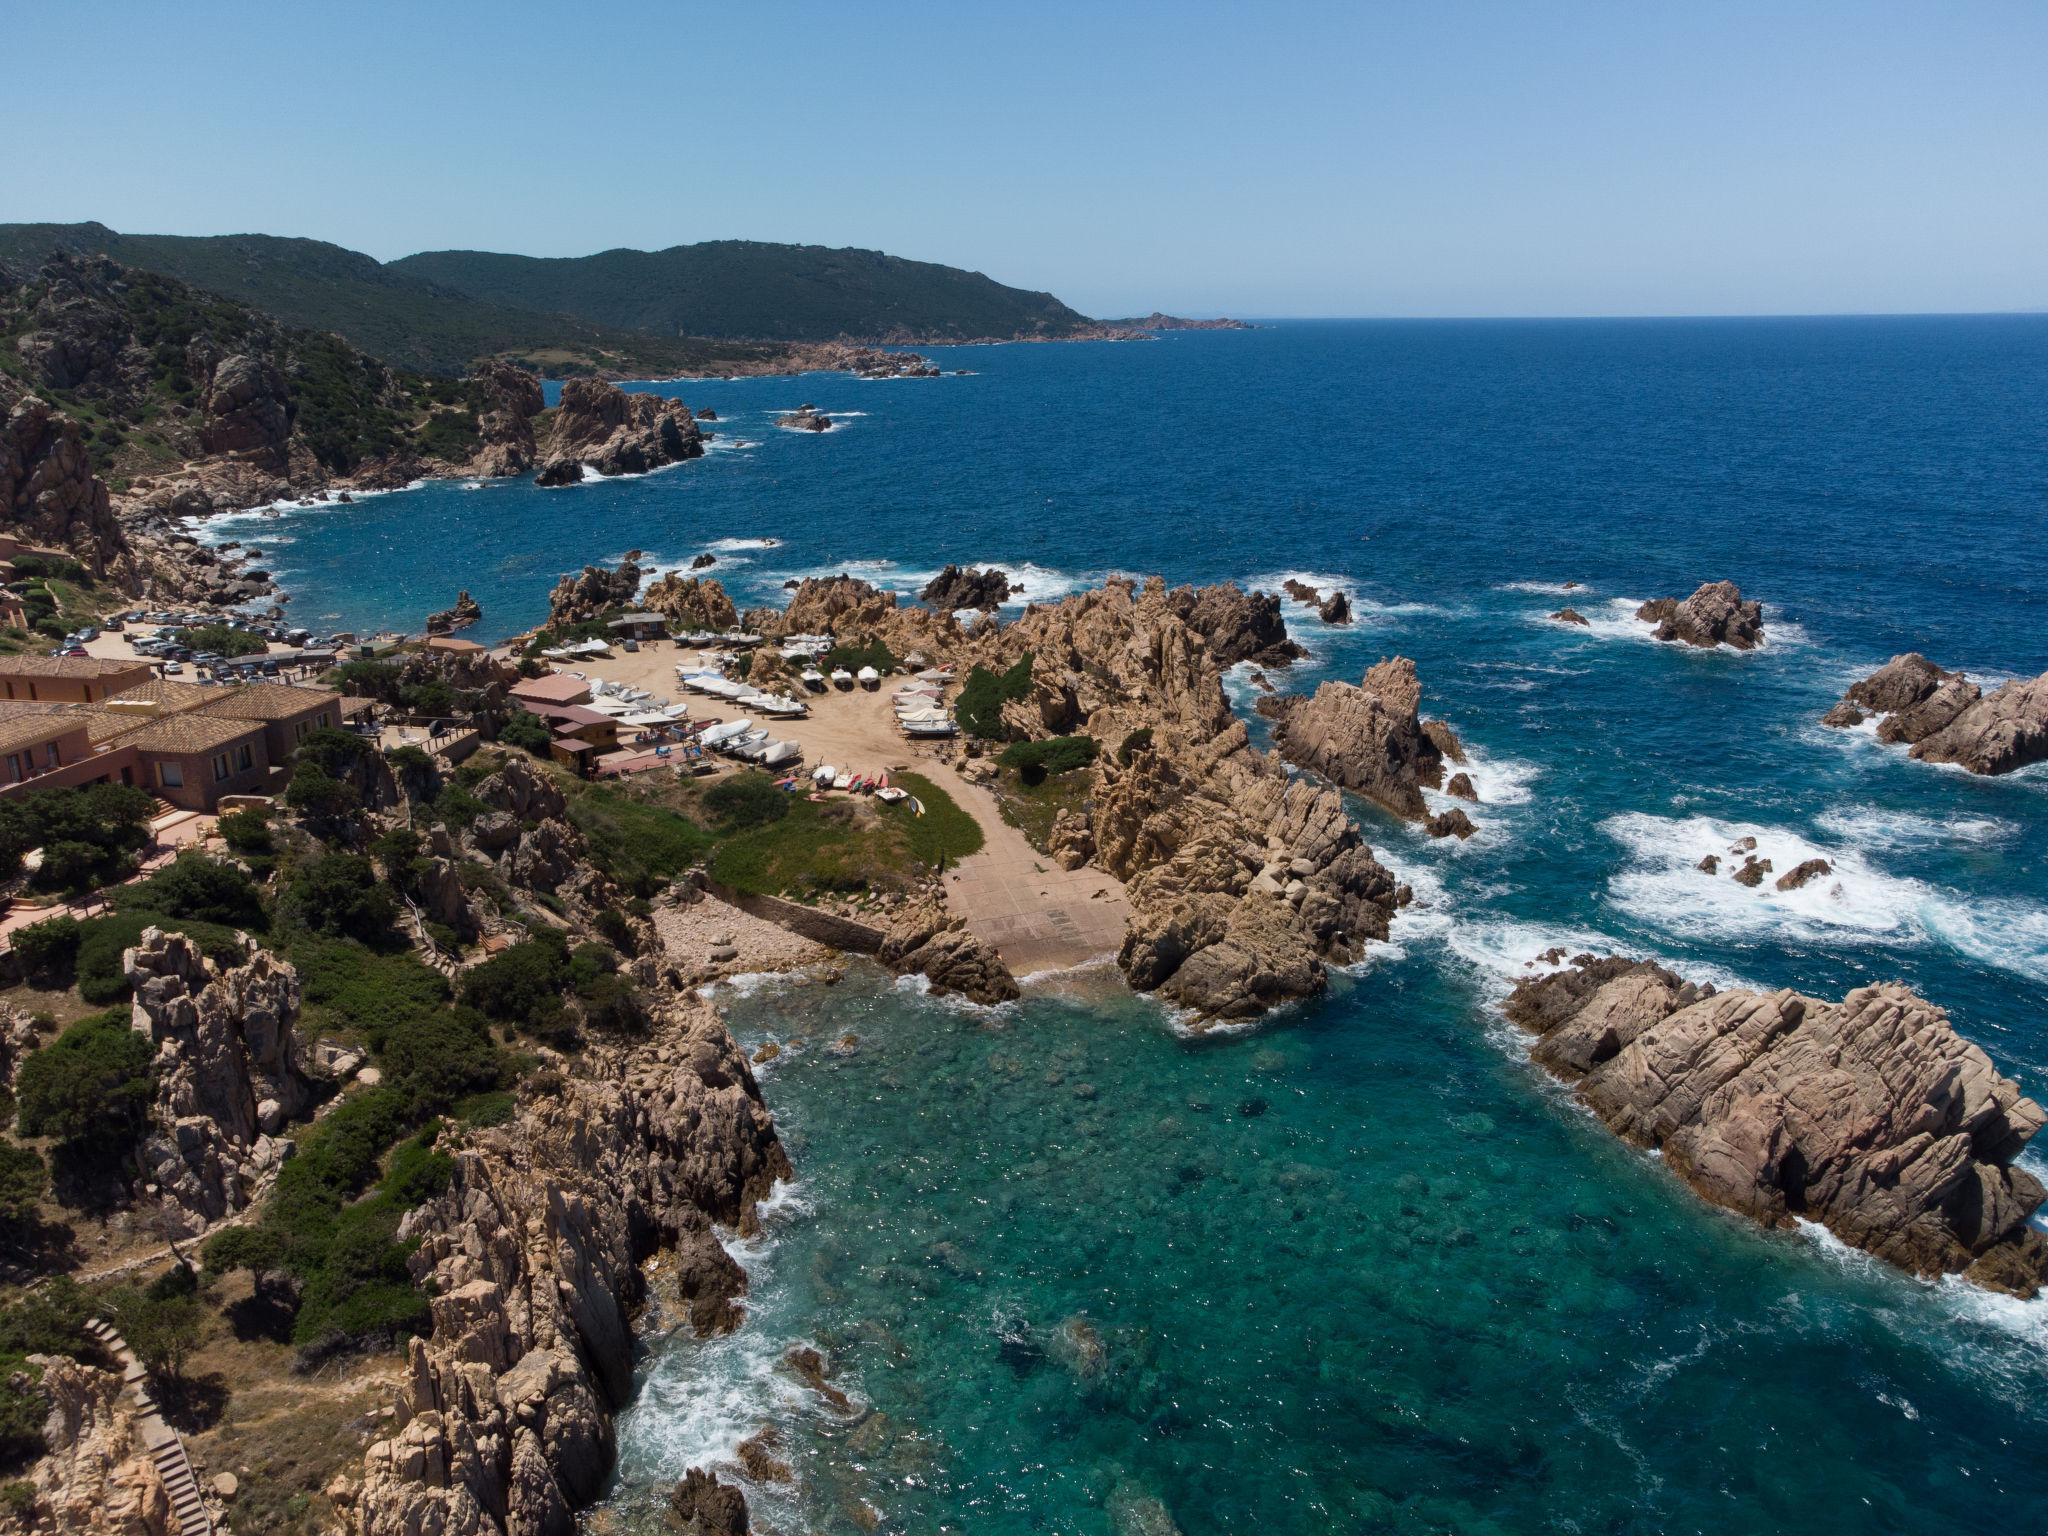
(1870, 1116)
(691, 602)
(227, 1082)
(93, 1479)
(1335, 609)
(1245, 883)
(465, 613)
(1238, 625)
(510, 400)
(704, 561)
(959, 587)
(700, 1505)
(527, 832)
(1451, 823)
(1573, 616)
(830, 605)
(1943, 717)
(504, 1418)
(593, 593)
(601, 426)
(1715, 614)
(925, 941)
(1369, 737)
(805, 418)
(49, 494)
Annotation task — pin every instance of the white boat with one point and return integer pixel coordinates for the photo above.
(812, 679)
(646, 717)
(935, 675)
(824, 774)
(841, 678)
(676, 711)
(725, 731)
(930, 729)
(889, 794)
(777, 705)
(868, 678)
(781, 754)
(742, 746)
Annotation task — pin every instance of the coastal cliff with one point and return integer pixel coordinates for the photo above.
(1870, 1116)
(532, 1255)
(599, 426)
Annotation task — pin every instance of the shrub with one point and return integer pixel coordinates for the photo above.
(872, 653)
(333, 752)
(88, 836)
(524, 984)
(373, 679)
(612, 924)
(979, 709)
(484, 1110)
(339, 893)
(1138, 741)
(438, 1059)
(528, 732)
(92, 1083)
(639, 844)
(49, 950)
(319, 794)
(1036, 761)
(409, 756)
(746, 800)
(222, 640)
(199, 886)
(23, 1178)
(247, 832)
(161, 1329)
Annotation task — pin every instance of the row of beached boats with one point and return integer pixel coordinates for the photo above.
(921, 713)
(749, 743)
(717, 685)
(852, 780)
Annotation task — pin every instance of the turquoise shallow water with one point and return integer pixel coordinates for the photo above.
(1416, 1290)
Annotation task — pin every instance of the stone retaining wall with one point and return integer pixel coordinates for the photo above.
(819, 927)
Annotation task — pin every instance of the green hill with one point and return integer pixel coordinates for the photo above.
(389, 313)
(745, 288)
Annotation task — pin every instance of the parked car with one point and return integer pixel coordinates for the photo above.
(173, 668)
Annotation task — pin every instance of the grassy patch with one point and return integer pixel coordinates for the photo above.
(641, 841)
(1033, 808)
(944, 831)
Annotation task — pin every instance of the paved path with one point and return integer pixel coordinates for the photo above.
(159, 1440)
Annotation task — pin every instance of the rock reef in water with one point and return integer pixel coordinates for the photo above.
(1573, 616)
(805, 418)
(1368, 737)
(1237, 625)
(1871, 1116)
(925, 940)
(466, 612)
(958, 587)
(1715, 614)
(504, 1418)
(1943, 717)
(600, 426)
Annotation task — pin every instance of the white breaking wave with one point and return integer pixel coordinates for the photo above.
(1029, 581)
(1548, 588)
(1857, 903)
(1872, 827)
(212, 530)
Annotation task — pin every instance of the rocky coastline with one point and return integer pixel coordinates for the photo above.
(1870, 1115)
(1942, 717)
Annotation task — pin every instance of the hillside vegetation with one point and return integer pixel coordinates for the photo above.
(734, 288)
(392, 314)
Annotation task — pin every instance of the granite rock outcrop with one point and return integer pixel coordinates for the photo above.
(691, 602)
(1368, 736)
(593, 592)
(1715, 614)
(923, 939)
(601, 427)
(465, 612)
(1238, 625)
(1871, 1115)
(1943, 717)
(959, 587)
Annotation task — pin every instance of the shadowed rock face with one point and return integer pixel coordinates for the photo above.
(596, 590)
(1715, 614)
(1238, 625)
(1945, 718)
(1367, 736)
(691, 602)
(965, 587)
(48, 492)
(1870, 1115)
(925, 941)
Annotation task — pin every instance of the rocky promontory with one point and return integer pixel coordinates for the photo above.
(1715, 614)
(958, 587)
(504, 1417)
(1943, 717)
(691, 602)
(465, 612)
(1871, 1116)
(1369, 737)
(600, 426)
(596, 590)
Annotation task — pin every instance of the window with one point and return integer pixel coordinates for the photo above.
(170, 775)
(220, 767)
(244, 759)
(50, 757)
(14, 767)
(321, 720)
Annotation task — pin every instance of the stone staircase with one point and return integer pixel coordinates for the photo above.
(159, 1440)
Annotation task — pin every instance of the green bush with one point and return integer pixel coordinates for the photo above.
(247, 832)
(339, 893)
(92, 1083)
(524, 984)
(88, 836)
(200, 886)
(979, 709)
(871, 653)
(747, 799)
(612, 924)
(371, 678)
(319, 794)
(161, 1329)
(528, 732)
(223, 640)
(23, 1178)
(1036, 761)
(49, 950)
(641, 845)
(484, 1110)
(334, 752)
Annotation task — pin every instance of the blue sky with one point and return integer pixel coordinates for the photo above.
(1420, 159)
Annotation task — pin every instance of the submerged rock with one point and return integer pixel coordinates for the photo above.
(1571, 616)
(701, 1505)
(1715, 614)
(1870, 1115)
(1804, 874)
(1451, 823)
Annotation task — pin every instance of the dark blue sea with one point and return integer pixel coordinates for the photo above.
(1078, 1287)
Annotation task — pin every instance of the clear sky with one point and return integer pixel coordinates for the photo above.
(1429, 158)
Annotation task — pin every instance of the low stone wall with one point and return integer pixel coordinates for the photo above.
(819, 927)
